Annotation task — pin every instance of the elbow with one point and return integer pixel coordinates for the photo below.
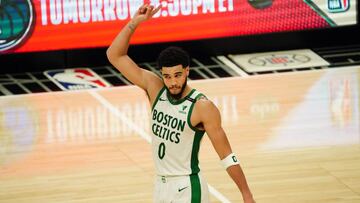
(110, 55)
(113, 56)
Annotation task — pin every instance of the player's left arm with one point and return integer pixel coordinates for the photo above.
(211, 120)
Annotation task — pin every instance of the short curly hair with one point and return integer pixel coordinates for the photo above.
(173, 56)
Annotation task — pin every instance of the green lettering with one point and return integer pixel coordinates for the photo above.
(157, 130)
(161, 151)
(177, 138)
(174, 123)
(154, 114)
(171, 135)
(166, 133)
(161, 130)
(153, 128)
(160, 117)
(170, 118)
(166, 120)
(181, 125)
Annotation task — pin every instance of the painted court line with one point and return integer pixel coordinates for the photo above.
(143, 134)
(123, 118)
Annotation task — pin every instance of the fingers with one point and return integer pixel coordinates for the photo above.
(156, 10)
(149, 10)
(143, 8)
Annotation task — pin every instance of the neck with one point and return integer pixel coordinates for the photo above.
(185, 92)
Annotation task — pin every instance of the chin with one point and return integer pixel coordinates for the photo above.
(175, 92)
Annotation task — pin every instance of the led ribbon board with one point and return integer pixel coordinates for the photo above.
(40, 25)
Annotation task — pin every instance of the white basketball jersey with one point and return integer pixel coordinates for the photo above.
(175, 143)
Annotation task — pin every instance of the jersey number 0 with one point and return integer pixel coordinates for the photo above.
(161, 152)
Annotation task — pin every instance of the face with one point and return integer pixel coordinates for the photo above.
(175, 79)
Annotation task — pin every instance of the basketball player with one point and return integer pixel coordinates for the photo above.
(180, 117)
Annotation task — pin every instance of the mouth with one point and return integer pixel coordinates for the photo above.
(175, 88)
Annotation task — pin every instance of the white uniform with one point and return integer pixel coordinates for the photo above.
(175, 145)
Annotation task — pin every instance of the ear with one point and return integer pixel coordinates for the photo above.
(187, 69)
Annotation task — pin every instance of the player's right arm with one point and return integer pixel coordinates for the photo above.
(117, 54)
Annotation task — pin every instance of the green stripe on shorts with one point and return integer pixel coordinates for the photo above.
(195, 188)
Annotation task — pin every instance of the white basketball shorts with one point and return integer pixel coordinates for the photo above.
(181, 189)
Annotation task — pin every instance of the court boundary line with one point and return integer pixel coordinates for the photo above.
(143, 134)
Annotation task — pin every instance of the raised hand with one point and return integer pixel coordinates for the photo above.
(145, 12)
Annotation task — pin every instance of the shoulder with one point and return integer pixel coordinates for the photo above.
(153, 80)
(205, 107)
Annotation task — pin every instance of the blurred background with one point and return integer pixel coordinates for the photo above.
(52, 34)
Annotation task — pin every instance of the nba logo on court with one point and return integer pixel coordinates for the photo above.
(76, 79)
(335, 6)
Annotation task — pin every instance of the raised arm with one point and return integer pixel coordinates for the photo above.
(117, 53)
(211, 120)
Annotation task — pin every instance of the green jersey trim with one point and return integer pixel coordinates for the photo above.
(190, 113)
(195, 188)
(157, 97)
(197, 138)
(176, 102)
(195, 152)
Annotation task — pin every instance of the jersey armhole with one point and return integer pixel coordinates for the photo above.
(190, 113)
(157, 98)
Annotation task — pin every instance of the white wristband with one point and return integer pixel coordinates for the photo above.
(230, 160)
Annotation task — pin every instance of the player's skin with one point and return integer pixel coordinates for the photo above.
(205, 114)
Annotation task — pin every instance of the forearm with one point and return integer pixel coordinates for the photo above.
(236, 173)
(120, 44)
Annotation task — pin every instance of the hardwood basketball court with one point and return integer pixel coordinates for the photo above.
(297, 136)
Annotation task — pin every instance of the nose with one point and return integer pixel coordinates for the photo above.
(173, 82)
